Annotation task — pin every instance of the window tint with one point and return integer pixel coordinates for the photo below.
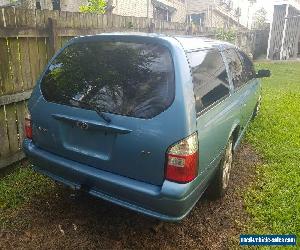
(132, 79)
(248, 67)
(235, 67)
(209, 77)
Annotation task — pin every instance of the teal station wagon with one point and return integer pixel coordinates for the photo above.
(148, 122)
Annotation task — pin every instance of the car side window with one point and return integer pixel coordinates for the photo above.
(235, 67)
(209, 77)
(248, 67)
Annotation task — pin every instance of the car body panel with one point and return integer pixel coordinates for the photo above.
(170, 202)
(128, 167)
(55, 130)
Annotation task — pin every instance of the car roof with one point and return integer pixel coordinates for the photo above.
(189, 43)
(192, 43)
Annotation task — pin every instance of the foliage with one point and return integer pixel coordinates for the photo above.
(94, 6)
(20, 186)
(130, 25)
(260, 19)
(274, 201)
(98, 77)
(226, 35)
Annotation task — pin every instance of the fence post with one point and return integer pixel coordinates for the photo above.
(52, 27)
(151, 27)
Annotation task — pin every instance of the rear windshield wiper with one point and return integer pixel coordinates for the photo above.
(89, 106)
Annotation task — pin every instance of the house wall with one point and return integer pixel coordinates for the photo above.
(196, 6)
(181, 10)
(219, 15)
(65, 5)
(46, 4)
(144, 8)
(247, 11)
(4, 2)
(130, 8)
(71, 5)
(219, 20)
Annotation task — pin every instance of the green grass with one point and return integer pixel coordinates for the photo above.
(20, 186)
(17, 188)
(274, 200)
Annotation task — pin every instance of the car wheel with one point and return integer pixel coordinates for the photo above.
(257, 108)
(220, 182)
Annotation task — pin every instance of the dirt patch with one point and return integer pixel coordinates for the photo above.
(59, 221)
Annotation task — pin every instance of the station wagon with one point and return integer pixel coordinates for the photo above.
(148, 122)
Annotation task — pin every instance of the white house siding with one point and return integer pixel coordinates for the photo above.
(181, 10)
(144, 8)
(4, 2)
(71, 5)
(46, 4)
(196, 6)
(130, 8)
(246, 9)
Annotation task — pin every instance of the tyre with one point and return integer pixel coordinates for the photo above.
(257, 108)
(218, 186)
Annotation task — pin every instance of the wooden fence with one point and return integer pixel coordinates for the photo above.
(28, 39)
(285, 33)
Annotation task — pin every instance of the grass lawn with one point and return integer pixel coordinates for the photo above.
(274, 200)
(18, 188)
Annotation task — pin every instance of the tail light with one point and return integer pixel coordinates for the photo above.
(28, 127)
(182, 160)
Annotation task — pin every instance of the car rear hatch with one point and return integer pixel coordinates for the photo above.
(106, 103)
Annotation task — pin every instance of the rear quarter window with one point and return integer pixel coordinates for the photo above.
(248, 67)
(235, 67)
(125, 78)
(209, 78)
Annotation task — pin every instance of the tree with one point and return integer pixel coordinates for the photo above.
(94, 73)
(226, 35)
(260, 19)
(94, 6)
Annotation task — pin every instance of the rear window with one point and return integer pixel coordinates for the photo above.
(126, 78)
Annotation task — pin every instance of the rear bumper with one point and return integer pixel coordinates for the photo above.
(170, 202)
